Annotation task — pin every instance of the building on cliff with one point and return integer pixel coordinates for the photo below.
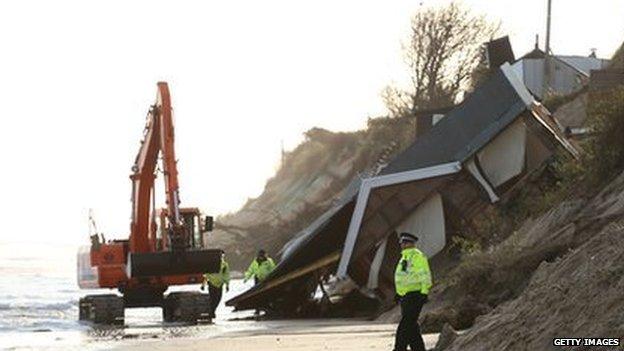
(567, 73)
(476, 155)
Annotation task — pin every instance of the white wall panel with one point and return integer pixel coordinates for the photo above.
(427, 222)
(503, 158)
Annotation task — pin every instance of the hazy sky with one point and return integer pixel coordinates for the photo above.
(77, 78)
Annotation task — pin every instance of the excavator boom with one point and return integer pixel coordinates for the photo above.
(158, 138)
(142, 262)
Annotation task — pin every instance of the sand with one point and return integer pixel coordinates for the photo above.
(287, 335)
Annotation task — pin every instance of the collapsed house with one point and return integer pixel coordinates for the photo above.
(475, 156)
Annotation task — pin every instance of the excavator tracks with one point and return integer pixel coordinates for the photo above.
(102, 309)
(187, 307)
(177, 307)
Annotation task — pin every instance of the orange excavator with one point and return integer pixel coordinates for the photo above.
(165, 248)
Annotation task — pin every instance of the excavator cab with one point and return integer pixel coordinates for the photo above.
(194, 227)
(192, 222)
(164, 260)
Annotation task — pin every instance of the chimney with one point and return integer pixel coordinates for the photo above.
(498, 52)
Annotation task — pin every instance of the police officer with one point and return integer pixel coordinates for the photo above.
(260, 267)
(215, 282)
(412, 279)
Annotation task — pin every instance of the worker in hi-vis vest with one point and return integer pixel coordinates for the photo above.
(215, 282)
(412, 279)
(260, 268)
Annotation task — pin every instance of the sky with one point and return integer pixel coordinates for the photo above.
(77, 79)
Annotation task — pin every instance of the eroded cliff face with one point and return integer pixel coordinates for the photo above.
(574, 292)
(312, 177)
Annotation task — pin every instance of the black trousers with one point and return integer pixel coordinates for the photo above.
(408, 331)
(215, 298)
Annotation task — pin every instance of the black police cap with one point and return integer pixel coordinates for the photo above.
(409, 237)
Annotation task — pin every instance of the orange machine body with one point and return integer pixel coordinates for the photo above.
(110, 259)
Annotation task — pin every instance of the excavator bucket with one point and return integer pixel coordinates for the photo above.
(173, 263)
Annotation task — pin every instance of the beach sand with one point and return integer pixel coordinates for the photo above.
(286, 335)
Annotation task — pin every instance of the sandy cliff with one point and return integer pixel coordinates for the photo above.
(312, 176)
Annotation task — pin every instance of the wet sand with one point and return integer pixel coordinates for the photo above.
(286, 335)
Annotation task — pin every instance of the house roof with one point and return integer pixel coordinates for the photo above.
(584, 64)
(320, 241)
(468, 127)
(536, 53)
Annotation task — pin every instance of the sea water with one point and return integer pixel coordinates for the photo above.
(39, 305)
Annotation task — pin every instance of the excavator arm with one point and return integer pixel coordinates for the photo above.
(158, 138)
(143, 260)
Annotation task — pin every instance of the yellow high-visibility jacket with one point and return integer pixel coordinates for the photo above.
(412, 273)
(222, 277)
(260, 270)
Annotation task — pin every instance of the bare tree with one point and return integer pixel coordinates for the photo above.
(444, 48)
